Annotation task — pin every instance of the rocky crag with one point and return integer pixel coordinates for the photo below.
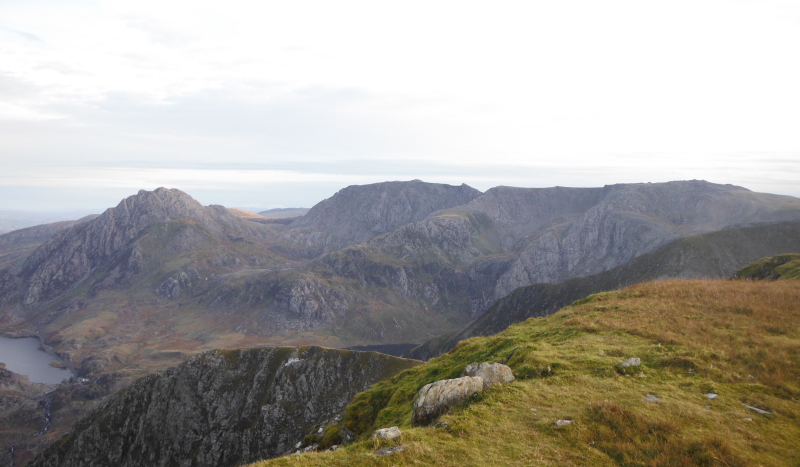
(714, 255)
(222, 408)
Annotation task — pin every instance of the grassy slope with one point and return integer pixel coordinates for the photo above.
(693, 337)
(780, 267)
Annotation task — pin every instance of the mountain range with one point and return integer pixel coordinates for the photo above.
(160, 277)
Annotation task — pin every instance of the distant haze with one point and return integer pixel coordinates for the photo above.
(265, 105)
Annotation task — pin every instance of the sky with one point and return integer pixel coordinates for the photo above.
(280, 104)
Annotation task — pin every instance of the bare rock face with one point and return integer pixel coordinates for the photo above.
(222, 408)
(356, 214)
(71, 255)
(561, 233)
(491, 373)
(436, 398)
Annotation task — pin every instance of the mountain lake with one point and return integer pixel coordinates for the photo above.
(25, 356)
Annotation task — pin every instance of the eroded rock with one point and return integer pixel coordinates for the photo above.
(438, 397)
(387, 433)
(492, 373)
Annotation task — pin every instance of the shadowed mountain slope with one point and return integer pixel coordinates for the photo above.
(713, 255)
(222, 408)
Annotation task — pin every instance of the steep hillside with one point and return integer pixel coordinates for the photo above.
(713, 255)
(222, 408)
(19, 244)
(358, 213)
(717, 385)
(780, 267)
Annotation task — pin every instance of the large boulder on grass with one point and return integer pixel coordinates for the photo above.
(492, 373)
(438, 397)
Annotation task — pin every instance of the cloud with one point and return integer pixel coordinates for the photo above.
(24, 35)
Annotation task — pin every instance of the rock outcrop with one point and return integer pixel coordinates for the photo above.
(222, 408)
(490, 373)
(713, 255)
(437, 398)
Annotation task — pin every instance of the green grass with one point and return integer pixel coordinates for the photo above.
(780, 267)
(694, 337)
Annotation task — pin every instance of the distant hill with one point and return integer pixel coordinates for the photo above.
(14, 220)
(244, 213)
(283, 213)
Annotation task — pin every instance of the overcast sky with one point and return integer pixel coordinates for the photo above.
(277, 104)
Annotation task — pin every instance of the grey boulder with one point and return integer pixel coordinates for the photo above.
(492, 373)
(438, 397)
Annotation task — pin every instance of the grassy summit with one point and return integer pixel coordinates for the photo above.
(737, 339)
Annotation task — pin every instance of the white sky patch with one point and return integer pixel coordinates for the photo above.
(587, 93)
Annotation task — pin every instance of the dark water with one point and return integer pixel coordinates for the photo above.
(390, 349)
(25, 357)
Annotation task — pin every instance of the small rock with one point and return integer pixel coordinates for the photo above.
(387, 433)
(436, 398)
(389, 451)
(563, 422)
(633, 361)
(651, 398)
(347, 435)
(750, 377)
(748, 419)
(334, 447)
(492, 373)
(757, 410)
(712, 396)
(708, 407)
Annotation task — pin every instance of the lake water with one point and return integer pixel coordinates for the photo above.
(25, 357)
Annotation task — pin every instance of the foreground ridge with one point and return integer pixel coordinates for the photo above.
(717, 384)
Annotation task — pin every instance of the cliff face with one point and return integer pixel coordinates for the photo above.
(713, 255)
(356, 214)
(222, 408)
(72, 254)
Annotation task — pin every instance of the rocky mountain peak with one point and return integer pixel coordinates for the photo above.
(69, 256)
(358, 213)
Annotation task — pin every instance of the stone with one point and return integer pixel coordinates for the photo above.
(389, 451)
(651, 398)
(757, 410)
(561, 423)
(492, 373)
(438, 397)
(712, 396)
(387, 433)
(633, 361)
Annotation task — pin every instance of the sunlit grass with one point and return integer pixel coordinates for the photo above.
(737, 339)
